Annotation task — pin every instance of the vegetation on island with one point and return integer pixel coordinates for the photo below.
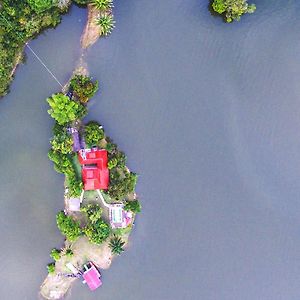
(93, 133)
(68, 226)
(55, 254)
(102, 4)
(83, 87)
(232, 10)
(116, 245)
(133, 206)
(106, 23)
(51, 268)
(65, 110)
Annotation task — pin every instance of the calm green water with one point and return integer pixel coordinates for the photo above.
(209, 115)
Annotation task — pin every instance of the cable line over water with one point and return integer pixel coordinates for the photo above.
(34, 53)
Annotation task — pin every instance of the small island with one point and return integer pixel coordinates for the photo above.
(100, 203)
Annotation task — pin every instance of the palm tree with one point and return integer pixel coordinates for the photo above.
(103, 4)
(116, 245)
(107, 24)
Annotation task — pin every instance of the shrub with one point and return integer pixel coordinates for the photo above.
(55, 254)
(93, 133)
(133, 206)
(102, 4)
(69, 252)
(68, 227)
(51, 268)
(81, 2)
(83, 87)
(107, 24)
(116, 245)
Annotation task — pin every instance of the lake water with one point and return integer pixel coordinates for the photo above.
(209, 116)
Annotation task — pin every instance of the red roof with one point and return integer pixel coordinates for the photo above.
(93, 156)
(95, 174)
(92, 277)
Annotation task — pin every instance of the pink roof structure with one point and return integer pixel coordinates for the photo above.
(91, 276)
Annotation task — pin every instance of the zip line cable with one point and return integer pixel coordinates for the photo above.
(34, 53)
(43, 64)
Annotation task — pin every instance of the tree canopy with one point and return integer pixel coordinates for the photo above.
(62, 142)
(133, 206)
(64, 110)
(41, 5)
(97, 232)
(120, 186)
(93, 133)
(96, 229)
(68, 227)
(83, 87)
(232, 9)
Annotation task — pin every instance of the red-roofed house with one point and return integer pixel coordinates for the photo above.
(95, 174)
(91, 276)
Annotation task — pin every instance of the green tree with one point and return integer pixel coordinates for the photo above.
(92, 211)
(233, 9)
(68, 227)
(83, 87)
(55, 254)
(93, 133)
(74, 184)
(133, 206)
(62, 142)
(51, 268)
(97, 232)
(41, 5)
(121, 186)
(112, 163)
(117, 159)
(116, 245)
(107, 24)
(62, 162)
(102, 4)
(64, 110)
